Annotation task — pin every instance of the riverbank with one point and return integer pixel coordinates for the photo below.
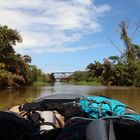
(93, 83)
(40, 83)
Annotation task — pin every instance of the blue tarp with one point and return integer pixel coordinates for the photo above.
(100, 106)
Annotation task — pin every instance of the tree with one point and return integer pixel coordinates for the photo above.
(27, 58)
(95, 69)
(119, 70)
(136, 51)
(13, 66)
(8, 38)
(127, 41)
(114, 59)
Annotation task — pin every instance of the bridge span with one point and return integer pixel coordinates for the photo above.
(62, 75)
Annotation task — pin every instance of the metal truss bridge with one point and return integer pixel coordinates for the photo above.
(62, 75)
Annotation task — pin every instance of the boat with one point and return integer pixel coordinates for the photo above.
(65, 117)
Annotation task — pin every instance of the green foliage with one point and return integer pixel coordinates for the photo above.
(14, 71)
(27, 58)
(88, 83)
(50, 78)
(39, 83)
(119, 70)
(79, 76)
(37, 75)
(29, 100)
(114, 59)
(116, 74)
(95, 69)
(137, 75)
(83, 78)
(5, 78)
(8, 79)
(9, 36)
(127, 41)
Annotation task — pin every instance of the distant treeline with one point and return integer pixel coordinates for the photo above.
(123, 70)
(15, 69)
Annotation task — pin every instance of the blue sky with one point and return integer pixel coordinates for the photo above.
(67, 35)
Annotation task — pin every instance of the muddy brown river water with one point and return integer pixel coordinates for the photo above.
(11, 97)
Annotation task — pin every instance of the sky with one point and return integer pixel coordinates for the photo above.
(67, 35)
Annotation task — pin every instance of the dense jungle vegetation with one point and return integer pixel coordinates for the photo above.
(15, 69)
(123, 70)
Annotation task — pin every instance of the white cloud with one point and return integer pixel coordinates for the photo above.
(48, 25)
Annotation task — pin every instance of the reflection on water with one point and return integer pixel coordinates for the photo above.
(10, 97)
(129, 96)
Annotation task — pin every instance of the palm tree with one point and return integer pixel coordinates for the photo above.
(8, 38)
(15, 66)
(27, 58)
(95, 69)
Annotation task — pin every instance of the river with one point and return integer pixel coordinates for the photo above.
(11, 97)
